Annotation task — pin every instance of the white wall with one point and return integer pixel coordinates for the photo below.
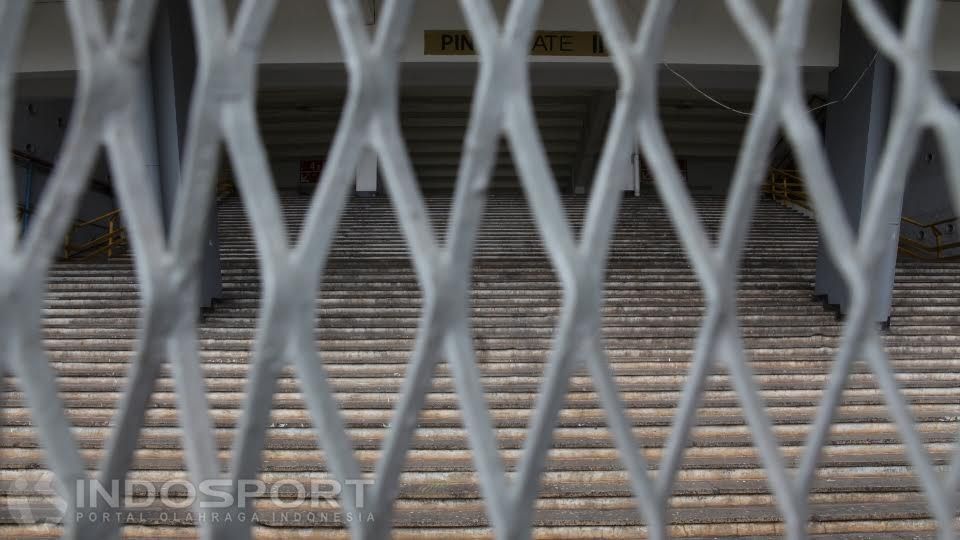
(701, 32)
(946, 39)
(46, 44)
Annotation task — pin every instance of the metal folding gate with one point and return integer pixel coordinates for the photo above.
(223, 109)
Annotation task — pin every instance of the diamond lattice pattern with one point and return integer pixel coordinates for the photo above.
(223, 111)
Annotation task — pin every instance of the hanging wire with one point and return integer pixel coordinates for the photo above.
(746, 113)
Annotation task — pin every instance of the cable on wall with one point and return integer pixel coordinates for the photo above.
(721, 104)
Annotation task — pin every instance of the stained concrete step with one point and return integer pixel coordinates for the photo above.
(604, 457)
(849, 529)
(516, 321)
(556, 483)
(97, 390)
(368, 309)
(217, 364)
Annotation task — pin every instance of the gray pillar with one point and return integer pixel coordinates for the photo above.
(367, 174)
(173, 63)
(855, 132)
(592, 137)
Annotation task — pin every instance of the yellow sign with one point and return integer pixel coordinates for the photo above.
(543, 43)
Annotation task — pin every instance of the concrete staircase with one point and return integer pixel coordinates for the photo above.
(369, 310)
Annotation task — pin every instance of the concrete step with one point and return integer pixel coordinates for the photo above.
(368, 310)
(458, 457)
(95, 390)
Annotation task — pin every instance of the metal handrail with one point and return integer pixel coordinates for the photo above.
(920, 250)
(97, 183)
(23, 156)
(114, 238)
(30, 162)
(114, 235)
(97, 219)
(788, 189)
(225, 188)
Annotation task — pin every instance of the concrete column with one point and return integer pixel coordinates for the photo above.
(367, 174)
(148, 132)
(172, 67)
(855, 132)
(592, 137)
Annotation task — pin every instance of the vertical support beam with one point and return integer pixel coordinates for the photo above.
(148, 132)
(367, 174)
(27, 198)
(855, 132)
(172, 67)
(591, 140)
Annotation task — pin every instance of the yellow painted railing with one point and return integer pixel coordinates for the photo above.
(939, 250)
(114, 235)
(108, 242)
(787, 188)
(225, 187)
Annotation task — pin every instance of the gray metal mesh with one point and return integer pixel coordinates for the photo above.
(223, 103)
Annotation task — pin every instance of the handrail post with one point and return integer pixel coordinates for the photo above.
(27, 196)
(938, 236)
(110, 228)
